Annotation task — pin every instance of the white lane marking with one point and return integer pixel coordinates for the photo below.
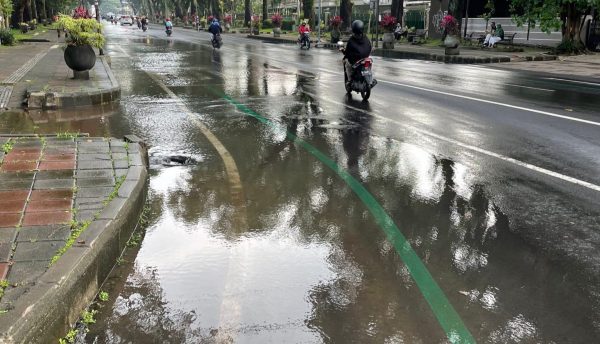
(575, 81)
(532, 88)
(464, 145)
(542, 170)
(545, 113)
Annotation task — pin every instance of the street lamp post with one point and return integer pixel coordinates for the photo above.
(97, 8)
(319, 21)
(377, 24)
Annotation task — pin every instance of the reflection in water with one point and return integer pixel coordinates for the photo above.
(312, 266)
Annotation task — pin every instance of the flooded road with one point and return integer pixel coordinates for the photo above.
(303, 216)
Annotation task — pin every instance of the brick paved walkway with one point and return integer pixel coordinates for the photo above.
(48, 187)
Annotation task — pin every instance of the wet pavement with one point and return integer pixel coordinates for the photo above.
(269, 234)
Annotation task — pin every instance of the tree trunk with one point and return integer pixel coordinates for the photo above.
(247, 14)
(346, 13)
(265, 11)
(309, 10)
(398, 10)
(35, 13)
(44, 15)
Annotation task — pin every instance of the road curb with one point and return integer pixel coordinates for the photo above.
(57, 100)
(416, 55)
(49, 308)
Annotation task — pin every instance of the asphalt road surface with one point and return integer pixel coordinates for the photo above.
(459, 204)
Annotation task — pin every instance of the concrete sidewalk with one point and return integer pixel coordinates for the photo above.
(38, 77)
(468, 54)
(67, 208)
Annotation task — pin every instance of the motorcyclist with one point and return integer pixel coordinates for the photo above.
(168, 24)
(302, 29)
(357, 48)
(215, 28)
(144, 21)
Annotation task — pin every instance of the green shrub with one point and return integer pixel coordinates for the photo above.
(287, 24)
(7, 37)
(267, 24)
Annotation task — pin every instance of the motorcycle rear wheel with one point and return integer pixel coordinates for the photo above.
(346, 83)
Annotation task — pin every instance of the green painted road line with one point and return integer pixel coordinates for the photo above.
(455, 329)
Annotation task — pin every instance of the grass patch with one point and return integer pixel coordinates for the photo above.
(29, 34)
(67, 135)
(103, 296)
(8, 146)
(115, 191)
(69, 338)
(76, 229)
(3, 285)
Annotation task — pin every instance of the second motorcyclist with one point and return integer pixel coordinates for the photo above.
(215, 28)
(357, 48)
(302, 30)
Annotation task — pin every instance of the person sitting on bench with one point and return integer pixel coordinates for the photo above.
(492, 39)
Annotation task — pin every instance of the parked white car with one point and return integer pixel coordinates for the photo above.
(126, 19)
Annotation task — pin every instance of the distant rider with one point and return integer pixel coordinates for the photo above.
(215, 28)
(168, 24)
(144, 22)
(302, 29)
(357, 48)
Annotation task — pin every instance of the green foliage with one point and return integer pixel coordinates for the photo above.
(67, 135)
(7, 37)
(287, 24)
(82, 31)
(103, 296)
(3, 285)
(69, 338)
(267, 24)
(7, 147)
(88, 317)
(6, 8)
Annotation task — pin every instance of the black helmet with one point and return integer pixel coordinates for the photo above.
(358, 27)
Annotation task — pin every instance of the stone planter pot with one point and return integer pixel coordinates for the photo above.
(227, 27)
(80, 58)
(451, 44)
(388, 40)
(255, 31)
(335, 35)
(276, 31)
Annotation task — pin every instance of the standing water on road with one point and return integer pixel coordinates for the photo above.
(254, 239)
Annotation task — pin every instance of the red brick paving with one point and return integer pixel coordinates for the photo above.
(21, 157)
(11, 206)
(58, 157)
(57, 165)
(18, 166)
(17, 150)
(48, 205)
(14, 195)
(46, 218)
(10, 220)
(41, 195)
(4, 270)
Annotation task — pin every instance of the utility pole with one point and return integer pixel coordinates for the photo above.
(377, 24)
(97, 8)
(319, 21)
(466, 18)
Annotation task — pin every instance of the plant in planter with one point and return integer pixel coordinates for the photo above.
(276, 19)
(449, 25)
(388, 23)
(255, 23)
(335, 22)
(84, 35)
(32, 24)
(202, 22)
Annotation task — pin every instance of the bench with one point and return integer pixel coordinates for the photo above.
(508, 38)
(476, 36)
(417, 37)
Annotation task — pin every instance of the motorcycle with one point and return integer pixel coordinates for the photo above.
(144, 27)
(216, 41)
(169, 31)
(361, 80)
(304, 40)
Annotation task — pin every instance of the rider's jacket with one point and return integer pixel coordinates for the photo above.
(357, 49)
(214, 28)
